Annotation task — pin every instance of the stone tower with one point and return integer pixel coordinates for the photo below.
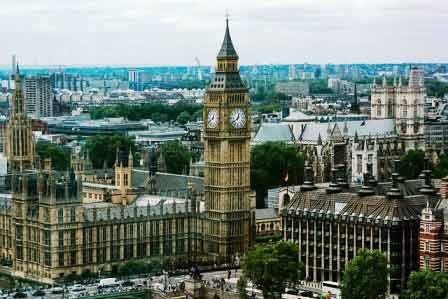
(123, 174)
(405, 104)
(19, 133)
(227, 158)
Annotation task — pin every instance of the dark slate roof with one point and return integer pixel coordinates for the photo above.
(227, 48)
(167, 181)
(274, 132)
(372, 127)
(350, 204)
(267, 213)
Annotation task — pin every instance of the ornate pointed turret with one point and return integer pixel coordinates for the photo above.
(227, 75)
(19, 134)
(227, 49)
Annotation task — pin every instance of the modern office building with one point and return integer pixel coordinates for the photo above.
(331, 225)
(38, 96)
(293, 88)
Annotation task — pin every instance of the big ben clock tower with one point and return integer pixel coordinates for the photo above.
(227, 158)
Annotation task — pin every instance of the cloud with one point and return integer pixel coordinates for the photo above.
(155, 32)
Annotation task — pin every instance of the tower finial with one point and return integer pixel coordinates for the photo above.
(227, 49)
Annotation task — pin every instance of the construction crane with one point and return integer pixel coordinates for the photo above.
(199, 68)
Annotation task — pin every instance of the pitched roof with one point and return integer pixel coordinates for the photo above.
(371, 127)
(167, 182)
(348, 203)
(274, 132)
(227, 48)
(267, 213)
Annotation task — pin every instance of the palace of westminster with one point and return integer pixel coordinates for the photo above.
(53, 224)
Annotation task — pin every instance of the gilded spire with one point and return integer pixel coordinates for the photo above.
(227, 48)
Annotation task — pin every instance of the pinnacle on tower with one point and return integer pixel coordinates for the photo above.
(227, 48)
(18, 103)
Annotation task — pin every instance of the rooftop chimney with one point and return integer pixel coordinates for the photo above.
(308, 183)
(366, 189)
(394, 192)
(427, 187)
(342, 179)
(334, 186)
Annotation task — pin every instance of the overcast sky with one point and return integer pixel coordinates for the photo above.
(174, 32)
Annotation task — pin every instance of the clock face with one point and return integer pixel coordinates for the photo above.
(212, 118)
(237, 118)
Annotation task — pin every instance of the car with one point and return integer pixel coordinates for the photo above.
(308, 294)
(292, 291)
(39, 293)
(20, 295)
(57, 290)
(127, 283)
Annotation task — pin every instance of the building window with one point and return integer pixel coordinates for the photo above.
(125, 180)
(61, 259)
(378, 108)
(61, 239)
(61, 216)
(427, 246)
(72, 215)
(427, 228)
(359, 163)
(426, 262)
(405, 109)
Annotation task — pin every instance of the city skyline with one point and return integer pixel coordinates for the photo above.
(174, 32)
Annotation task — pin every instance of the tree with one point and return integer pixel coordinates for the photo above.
(436, 88)
(272, 267)
(177, 156)
(183, 117)
(59, 155)
(365, 277)
(427, 284)
(133, 268)
(441, 169)
(270, 162)
(155, 111)
(412, 164)
(103, 148)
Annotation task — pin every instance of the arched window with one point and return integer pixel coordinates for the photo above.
(416, 109)
(404, 113)
(378, 108)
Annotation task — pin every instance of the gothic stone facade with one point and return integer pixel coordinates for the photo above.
(48, 230)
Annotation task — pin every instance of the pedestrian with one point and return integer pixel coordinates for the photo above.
(229, 273)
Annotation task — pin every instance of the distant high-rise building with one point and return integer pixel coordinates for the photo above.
(13, 64)
(292, 74)
(39, 96)
(134, 79)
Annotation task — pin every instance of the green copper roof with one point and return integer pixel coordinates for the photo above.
(227, 49)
